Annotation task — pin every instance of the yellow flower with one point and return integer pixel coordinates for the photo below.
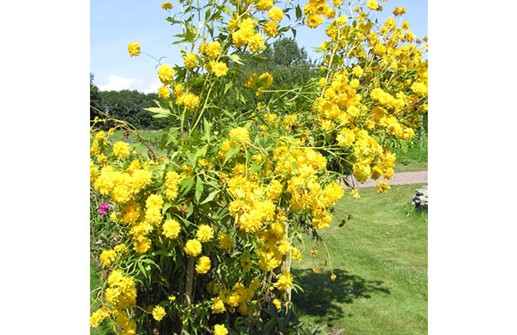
(133, 48)
(270, 29)
(372, 4)
(256, 42)
(121, 149)
(193, 248)
(355, 193)
(164, 92)
(190, 100)
(212, 50)
(240, 135)
(204, 233)
(158, 313)
(275, 14)
(277, 304)
(218, 68)
(98, 316)
(284, 281)
(220, 330)
(333, 277)
(190, 61)
(313, 20)
(225, 241)
(398, 11)
(165, 73)
(264, 4)
(203, 265)
(251, 81)
(166, 5)
(171, 228)
(419, 89)
(217, 305)
(297, 254)
(382, 186)
(107, 257)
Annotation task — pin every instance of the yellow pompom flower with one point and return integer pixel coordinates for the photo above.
(107, 257)
(264, 4)
(171, 228)
(190, 61)
(285, 281)
(166, 73)
(372, 4)
(270, 29)
(203, 265)
(240, 135)
(98, 316)
(121, 149)
(193, 248)
(333, 277)
(133, 48)
(164, 92)
(158, 313)
(204, 233)
(217, 306)
(190, 100)
(166, 5)
(220, 330)
(212, 50)
(225, 241)
(220, 69)
(256, 43)
(275, 14)
(313, 20)
(419, 88)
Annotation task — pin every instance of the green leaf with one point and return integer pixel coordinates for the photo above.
(208, 129)
(210, 197)
(201, 152)
(199, 189)
(186, 184)
(232, 152)
(192, 159)
(150, 262)
(159, 112)
(299, 12)
(236, 58)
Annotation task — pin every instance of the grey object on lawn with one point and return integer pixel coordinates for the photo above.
(421, 199)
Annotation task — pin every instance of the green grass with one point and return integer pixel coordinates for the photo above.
(412, 156)
(380, 259)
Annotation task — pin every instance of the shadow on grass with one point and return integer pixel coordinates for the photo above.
(323, 297)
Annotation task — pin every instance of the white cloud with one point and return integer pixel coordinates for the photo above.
(153, 87)
(116, 83)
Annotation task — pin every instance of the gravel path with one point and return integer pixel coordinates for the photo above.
(400, 178)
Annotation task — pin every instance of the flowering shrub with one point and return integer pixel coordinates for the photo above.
(205, 227)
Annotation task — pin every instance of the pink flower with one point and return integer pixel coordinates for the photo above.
(105, 207)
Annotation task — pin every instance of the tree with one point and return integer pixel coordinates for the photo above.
(129, 106)
(95, 99)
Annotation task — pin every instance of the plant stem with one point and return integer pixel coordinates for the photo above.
(189, 282)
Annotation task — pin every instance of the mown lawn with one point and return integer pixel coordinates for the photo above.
(380, 259)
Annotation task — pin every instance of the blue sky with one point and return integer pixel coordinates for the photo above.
(115, 23)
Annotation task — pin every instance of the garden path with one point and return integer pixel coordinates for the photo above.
(399, 178)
